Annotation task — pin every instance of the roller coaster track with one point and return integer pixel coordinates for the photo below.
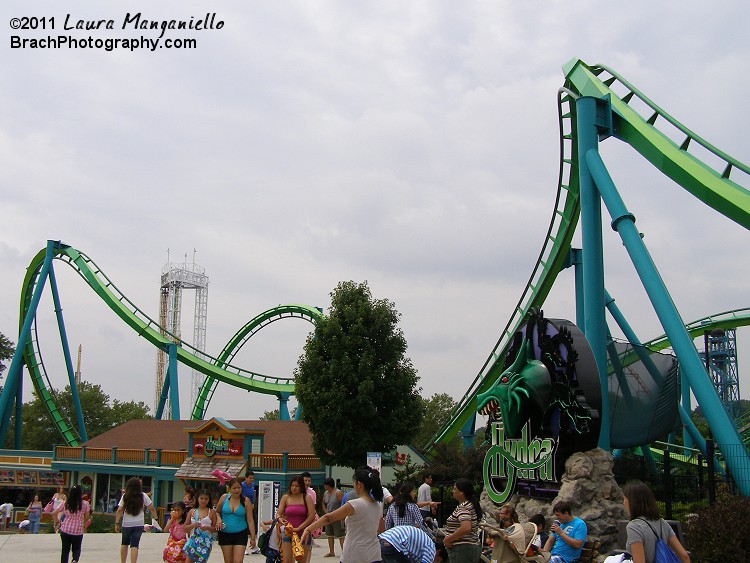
(718, 189)
(726, 320)
(240, 338)
(217, 369)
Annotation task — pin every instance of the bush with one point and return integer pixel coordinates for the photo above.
(102, 523)
(718, 533)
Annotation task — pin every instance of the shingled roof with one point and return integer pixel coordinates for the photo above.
(279, 435)
(201, 468)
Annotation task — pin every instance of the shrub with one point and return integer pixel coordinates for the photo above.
(718, 533)
(102, 523)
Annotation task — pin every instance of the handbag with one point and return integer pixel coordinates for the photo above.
(49, 507)
(198, 545)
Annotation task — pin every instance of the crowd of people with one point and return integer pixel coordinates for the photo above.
(368, 523)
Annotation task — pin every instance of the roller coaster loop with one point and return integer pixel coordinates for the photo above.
(216, 369)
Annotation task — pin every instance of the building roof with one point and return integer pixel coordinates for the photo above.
(290, 436)
(201, 468)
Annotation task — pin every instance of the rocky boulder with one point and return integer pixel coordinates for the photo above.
(589, 485)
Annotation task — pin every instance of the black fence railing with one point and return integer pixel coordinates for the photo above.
(682, 480)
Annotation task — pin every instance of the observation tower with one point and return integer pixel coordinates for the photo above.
(174, 279)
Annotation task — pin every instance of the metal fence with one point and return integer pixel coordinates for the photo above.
(682, 479)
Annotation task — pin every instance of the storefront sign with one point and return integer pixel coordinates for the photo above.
(211, 446)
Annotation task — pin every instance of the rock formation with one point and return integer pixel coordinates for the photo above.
(589, 485)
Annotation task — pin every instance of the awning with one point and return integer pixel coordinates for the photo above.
(200, 468)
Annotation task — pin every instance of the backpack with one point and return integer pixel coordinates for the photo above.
(263, 541)
(662, 553)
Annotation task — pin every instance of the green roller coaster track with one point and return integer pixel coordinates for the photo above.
(238, 341)
(716, 188)
(215, 369)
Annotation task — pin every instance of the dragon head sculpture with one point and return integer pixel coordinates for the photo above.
(523, 392)
(549, 379)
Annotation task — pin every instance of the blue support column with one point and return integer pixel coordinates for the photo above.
(614, 359)
(283, 406)
(687, 439)
(66, 354)
(13, 376)
(638, 347)
(588, 121)
(575, 259)
(162, 399)
(737, 457)
(467, 431)
(174, 392)
(19, 414)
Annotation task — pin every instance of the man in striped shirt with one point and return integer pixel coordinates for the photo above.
(406, 544)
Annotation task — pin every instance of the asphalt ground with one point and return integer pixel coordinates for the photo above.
(105, 548)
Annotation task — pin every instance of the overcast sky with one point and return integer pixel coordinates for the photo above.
(410, 144)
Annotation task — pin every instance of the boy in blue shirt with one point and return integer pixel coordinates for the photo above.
(568, 534)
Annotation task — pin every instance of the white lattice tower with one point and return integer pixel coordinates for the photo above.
(174, 279)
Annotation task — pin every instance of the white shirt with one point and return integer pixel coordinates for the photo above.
(424, 494)
(361, 544)
(130, 521)
(6, 509)
(386, 495)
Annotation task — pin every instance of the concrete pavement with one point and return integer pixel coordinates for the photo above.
(105, 548)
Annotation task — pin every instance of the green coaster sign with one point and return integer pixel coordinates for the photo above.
(544, 406)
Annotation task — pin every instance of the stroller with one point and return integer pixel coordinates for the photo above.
(511, 544)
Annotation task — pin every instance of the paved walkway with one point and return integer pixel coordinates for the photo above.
(105, 548)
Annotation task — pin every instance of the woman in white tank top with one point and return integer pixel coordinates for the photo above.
(364, 519)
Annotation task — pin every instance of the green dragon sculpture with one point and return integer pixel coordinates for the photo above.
(543, 384)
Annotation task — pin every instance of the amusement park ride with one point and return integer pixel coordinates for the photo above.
(595, 104)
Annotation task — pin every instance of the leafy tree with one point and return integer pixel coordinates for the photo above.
(450, 461)
(274, 414)
(7, 348)
(702, 424)
(437, 410)
(357, 390)
(99, 415)
(270, 415)
(409, 472)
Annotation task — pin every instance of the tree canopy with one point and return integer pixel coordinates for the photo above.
(7, 348)
(99, 415)
(276, 415)
(270, 415)
(437, 411)
(357, 389)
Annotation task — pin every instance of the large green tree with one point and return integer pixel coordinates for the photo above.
(99, 415)
(357, 389)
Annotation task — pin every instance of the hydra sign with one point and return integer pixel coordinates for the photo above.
(508, 460)
(543, 407)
